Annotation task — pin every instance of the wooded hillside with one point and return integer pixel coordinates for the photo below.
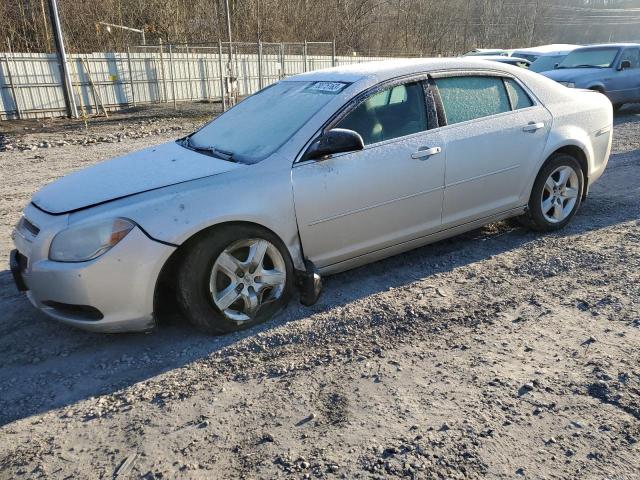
(377, 26)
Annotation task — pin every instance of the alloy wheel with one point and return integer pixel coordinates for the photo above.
(246, 275)
(560, 194)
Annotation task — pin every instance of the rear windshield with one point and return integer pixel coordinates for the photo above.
(546, 63)
(593, 57)
(527, 56)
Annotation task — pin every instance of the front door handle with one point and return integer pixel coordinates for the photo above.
(425, 152)
(533, 127)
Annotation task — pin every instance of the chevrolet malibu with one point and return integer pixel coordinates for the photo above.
(316, 174)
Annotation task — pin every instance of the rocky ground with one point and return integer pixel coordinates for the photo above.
(500, 354)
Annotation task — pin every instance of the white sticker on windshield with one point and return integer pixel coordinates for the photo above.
(328, 87)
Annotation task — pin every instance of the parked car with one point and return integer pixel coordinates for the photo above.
(488, 51)
(313, 175)
(516, 61)
(612, 69)
(533, 53)
(549, 61)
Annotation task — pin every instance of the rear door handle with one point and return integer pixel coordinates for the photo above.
(533, 127)
(425, 152)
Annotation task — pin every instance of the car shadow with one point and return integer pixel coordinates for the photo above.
(627, 111)
(46, 365)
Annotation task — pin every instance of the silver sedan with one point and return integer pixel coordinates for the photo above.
(313, 175)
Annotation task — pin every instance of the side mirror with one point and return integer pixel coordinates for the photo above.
(556, 66)
(337, 140)
(624, 65)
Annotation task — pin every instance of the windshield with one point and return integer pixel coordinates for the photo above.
(260, 124)
(546, 63)
(527, 56)
(593, 57)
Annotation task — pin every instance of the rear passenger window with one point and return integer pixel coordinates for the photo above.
(468, 98)
(517, 95)
(389, 114)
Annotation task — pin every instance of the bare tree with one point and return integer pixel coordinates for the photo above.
(427, 27)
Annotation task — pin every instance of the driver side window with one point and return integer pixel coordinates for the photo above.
(632, 55)
(391, 113)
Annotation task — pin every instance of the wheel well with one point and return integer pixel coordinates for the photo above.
(577, 153)
(164, 305)
(597, 88)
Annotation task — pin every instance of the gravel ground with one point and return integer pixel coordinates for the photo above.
(500, 353)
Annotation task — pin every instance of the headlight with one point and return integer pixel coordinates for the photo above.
(568, 84)
(88, 241)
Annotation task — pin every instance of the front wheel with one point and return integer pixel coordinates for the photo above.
(556, 194)
(234, 278)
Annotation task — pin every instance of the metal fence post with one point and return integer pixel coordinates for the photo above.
(91, 86)
(281, 58)
(333, 53)
(164, 77)
(283, 69)
(304, 56)
(13, 88)
(173, 78)
(133, 90)
(222, 92)
(189, 73)
(206, 78)
(260, 81)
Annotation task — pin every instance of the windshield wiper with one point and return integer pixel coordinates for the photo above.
(582, 66)
(211, 150)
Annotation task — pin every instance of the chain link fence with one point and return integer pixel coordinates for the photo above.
(31, 87)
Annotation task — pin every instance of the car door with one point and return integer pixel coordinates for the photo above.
(624, 85)
(495, 133)
(390, 192)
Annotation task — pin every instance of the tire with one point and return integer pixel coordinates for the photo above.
(552, 209)
(205, 282)
(617, 107)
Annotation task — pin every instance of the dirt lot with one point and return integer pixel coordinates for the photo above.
(499, 354)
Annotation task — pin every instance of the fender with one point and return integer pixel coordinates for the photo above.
(260, 194)
(560, 137)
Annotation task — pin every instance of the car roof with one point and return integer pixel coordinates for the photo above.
(501, 58)
(379, 71)
(488, 51)
(557, 53)
(615, 45)
(554, 47)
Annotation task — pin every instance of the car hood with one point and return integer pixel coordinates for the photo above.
(148, 169)
(572, 74)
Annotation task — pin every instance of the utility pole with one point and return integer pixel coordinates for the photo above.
(226, 8)
(67, 87)
(231, 78)
(466, 27)
(535, 21)
(45, 23)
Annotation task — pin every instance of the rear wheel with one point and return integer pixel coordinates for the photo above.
(556, 194)
(234, 278)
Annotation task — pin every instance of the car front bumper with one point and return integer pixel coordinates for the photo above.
(113, 293)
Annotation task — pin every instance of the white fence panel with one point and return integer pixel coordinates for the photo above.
(30, 84)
